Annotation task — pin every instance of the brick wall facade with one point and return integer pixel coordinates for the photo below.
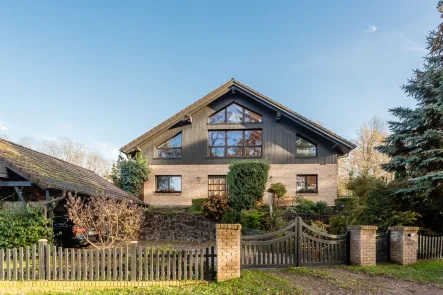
(363, 244)
(228, 251)
(193, 188)
(403, 244)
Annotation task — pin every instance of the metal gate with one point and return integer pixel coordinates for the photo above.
(296, 244)
(382, 247)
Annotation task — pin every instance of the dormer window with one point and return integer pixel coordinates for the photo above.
(170, 149)
(235, 113)
(305, 148)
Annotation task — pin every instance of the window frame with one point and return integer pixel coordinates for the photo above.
(306, 177)
(169, 184)
(297, 136)
(217, 177)
(225, 110)
(226, 146)
(177, 148)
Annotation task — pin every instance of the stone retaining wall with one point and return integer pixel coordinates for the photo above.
(183, 226)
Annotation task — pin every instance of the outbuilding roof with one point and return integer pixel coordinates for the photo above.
(48, 172)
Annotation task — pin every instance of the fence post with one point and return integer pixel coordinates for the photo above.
(134, 260)
(228, 251)
(362, 247)
(299, 252)
(403, 244)
(41, 258)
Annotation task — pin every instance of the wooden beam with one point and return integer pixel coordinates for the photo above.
(15, 183)
(19, 193)
(56, 200)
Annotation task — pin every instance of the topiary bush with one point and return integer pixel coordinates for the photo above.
(215, 207)
(23, 226)
(247, 183)
(278, 190)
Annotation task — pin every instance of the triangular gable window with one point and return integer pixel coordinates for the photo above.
(171, 149)
(235, 113)
(305, 148)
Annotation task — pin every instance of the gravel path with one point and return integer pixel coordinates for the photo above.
(335, 280)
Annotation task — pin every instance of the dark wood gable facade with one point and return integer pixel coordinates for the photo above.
(279, 136)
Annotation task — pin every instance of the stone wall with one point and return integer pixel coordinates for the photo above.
(181, 226)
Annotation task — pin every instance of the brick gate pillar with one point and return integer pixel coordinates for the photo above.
(228, 251)
(362, 244)
(403, 244)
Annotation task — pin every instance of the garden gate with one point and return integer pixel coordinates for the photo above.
(297, 244)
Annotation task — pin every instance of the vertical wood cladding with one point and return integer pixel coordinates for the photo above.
(278, 137)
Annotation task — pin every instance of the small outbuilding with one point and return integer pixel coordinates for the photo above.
(30, 176)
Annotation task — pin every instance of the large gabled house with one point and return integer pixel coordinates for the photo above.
(189, 153)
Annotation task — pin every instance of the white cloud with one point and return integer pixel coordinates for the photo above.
(371, 29)
(411, 44)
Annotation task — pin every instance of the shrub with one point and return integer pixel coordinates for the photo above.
(247, 182)
(230, 217)
(197, 204)
(320, 207)
(277, 189)
(320, 225)
(130, 174)
(346, 202)
(23, 226)
(215, 207)
(254, 219)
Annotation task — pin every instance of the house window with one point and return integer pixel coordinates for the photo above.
(168, 184)
(170, 149)
(235, 143)
(216, 185)
(307, 184)
(305, 148)
(235, 113)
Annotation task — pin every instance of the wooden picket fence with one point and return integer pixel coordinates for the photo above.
(46, 262)
(430, 247)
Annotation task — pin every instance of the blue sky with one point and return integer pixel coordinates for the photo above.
(104, 72)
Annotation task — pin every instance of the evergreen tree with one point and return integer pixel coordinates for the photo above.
(416, 141)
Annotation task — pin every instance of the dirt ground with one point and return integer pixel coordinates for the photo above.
(335, 280)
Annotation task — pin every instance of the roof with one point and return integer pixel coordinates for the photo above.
(233, 84)
(48, 172)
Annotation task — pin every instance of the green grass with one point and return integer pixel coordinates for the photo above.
(251, 282)
(424, 271)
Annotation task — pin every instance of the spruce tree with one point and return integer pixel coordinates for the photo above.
(416, 141)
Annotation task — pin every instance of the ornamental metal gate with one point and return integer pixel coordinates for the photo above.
(296, 244)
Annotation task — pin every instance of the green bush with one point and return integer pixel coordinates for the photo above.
(346, 202)
(23, 226)
(308, 206)
(230, 217)
(197, 204)
(321, 207)
(247, 182)
(254, 219)
(130, 174)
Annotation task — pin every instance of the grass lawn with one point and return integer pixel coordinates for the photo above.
(424, 271)
(251, 282)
